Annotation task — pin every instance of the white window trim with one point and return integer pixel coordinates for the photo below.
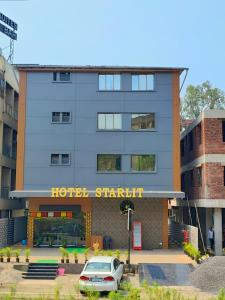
(143, 90)
(60, 159)
(60, 117)
(112, 129)
(105, 89)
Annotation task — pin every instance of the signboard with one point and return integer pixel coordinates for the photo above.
(137, 235)
(8, 21)
(8, 32)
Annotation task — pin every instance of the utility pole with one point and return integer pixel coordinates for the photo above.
(129, 222)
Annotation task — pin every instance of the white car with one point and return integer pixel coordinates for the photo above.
(101, 273)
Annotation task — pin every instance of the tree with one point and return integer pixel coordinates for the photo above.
(200, 97)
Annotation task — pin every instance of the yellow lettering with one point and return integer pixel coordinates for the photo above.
(78, 192)
(140, 192)
(55, 192)
(62, 192)
(85, 193)
(112, 193)
(105, 191)
(133, 192)
(98, 192)
(70, 191)
(128, 193)
(120, 193)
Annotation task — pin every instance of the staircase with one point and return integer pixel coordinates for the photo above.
(41, 271)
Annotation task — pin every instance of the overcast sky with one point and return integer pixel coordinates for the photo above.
(176, 33)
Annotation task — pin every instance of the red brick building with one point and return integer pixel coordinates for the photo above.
(203, 174)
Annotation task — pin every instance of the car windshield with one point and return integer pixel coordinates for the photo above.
(98, 267)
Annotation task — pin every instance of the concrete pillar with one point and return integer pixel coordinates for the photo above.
(208, 224)
(218, 230)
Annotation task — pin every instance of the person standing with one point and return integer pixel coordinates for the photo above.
(211, 237)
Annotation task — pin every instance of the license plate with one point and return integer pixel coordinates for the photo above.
(96, 279)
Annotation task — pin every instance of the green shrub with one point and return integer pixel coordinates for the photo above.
(191, 251)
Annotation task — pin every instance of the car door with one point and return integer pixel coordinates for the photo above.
(118, 269)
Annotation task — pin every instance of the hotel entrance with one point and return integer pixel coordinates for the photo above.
(54, 227)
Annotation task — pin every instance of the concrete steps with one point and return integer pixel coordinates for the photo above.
(41, 271)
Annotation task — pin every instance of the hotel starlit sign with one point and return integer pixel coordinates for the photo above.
(100, 192)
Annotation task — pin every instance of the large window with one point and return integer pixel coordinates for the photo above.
(61, 76)
(143, 121)
(109, 121)
(109, 82)
(143, 82)
(223, 130)
(108, 162)
(61, 117)
(145, 163)
(60, 159)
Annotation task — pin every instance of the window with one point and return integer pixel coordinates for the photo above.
(199, 176)
(224, 176)
(55, 159)
(109, 121)
(199, 133)
(143, 82)
(65, 117)
(61, 117)
(190, 142)
(143, 121)
(60, 159)
(182, 148)
(223, 130)
(109, 82)
(116, 264)
(61, 76)
(145, 163)
(56, 117)
(108, 162)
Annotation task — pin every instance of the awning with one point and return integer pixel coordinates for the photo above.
(47, 193)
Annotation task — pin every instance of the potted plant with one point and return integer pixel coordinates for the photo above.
(62, 252)
(8, 253)
(96, 252)
(67, 256)
(75, 255)
(2, 253)
(27, 254)
(117, 254)
(86, 252)
(17, 254)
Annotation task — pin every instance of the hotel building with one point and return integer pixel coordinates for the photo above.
(97, 127)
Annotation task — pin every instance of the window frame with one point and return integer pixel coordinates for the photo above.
(139, 89)
(109, 113)
(61, 117)
(113, 89)
(60, 159)
(110, 171)
(140, 129)
(56, 76)
(143, 171)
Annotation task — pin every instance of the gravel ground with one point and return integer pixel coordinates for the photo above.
(210, 275)
(8, 275)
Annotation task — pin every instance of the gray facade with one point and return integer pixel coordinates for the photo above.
(83, 141)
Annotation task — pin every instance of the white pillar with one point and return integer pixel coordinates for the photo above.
(218, 230)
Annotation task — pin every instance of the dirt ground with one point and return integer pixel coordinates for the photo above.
(68, 285)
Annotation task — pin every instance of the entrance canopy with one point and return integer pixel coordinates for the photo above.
(92, 193)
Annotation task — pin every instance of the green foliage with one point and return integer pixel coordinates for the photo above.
(86, 252)
(2, 252)
(117, 253)
(75, 254)
(8, 252)
(66, 254)
(96, 252)
(191, 251)
(17, 252)
(62, 252)
(27, 252)
(200, 97)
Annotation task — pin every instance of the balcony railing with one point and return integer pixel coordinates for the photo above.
(4, 192)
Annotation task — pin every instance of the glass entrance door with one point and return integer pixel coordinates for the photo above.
(55, 232)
